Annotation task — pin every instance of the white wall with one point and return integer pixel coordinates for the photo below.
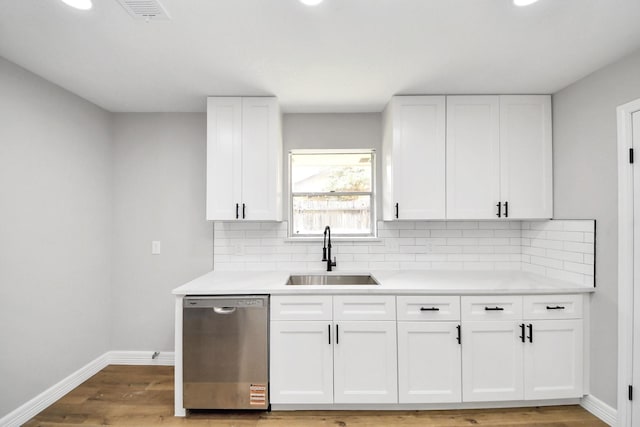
(585, 186)
(159, 194)
(55, 234)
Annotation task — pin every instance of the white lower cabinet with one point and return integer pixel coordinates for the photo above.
(301, 362)
(319, 355)
(553, 355)
(365, 365)
(510, 357)
(429, 362)
(491, 361)
(354, 349)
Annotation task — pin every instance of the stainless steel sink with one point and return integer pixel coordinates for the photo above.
(331, 280)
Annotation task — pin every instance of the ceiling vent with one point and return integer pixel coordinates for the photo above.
(148, 10)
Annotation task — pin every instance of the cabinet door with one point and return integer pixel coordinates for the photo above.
(224, 164)
(261, 159)
(301, 359)
(553, 361)
(429, 369)
(473, 157)
(491, 361)
(417, 158)
(525, 155)
(365, 362)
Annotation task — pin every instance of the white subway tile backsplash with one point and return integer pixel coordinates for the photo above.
(414, 233)
(546, 262)
(446, 233)
(462, 225)
(562, 249)
(431, 225)
(586, 248)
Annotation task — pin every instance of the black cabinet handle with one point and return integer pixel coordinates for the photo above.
(555, 307)
(506, 209)
(459, 338)
(329, 329)
(429, 309)
(522, 332)
(237, 207)
(530, 326)
(494, 309)
(243, 210)
(397, 210)
(337, 335)
(499, 214)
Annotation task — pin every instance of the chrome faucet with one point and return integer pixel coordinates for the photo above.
(326, 250)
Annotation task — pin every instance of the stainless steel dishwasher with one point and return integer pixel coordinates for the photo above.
(225, 352)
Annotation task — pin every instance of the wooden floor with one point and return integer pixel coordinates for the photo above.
(143, 396)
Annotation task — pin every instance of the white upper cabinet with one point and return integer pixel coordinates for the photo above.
(525, 156)
(414, 158)
(244, 159)
(224, 157)
(499, 160)
(473, 156)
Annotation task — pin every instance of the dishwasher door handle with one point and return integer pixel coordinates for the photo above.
(224, 310)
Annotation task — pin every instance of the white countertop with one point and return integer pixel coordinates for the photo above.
(391, 282)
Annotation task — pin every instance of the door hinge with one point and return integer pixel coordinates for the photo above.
(630, 392)
(630, 155)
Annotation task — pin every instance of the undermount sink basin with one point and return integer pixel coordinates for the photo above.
(330, 280)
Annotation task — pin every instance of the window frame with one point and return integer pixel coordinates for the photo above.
(372, 234)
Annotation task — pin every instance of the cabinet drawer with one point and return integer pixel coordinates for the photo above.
(553, 306)
(421, 308)
(492, 307)
(364, 307)
(301, 307)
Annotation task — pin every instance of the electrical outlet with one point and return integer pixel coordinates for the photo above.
(155, 247)
(429, 246)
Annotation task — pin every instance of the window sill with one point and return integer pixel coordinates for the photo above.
(333, 239)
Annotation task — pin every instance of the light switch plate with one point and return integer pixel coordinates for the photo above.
(155, 247)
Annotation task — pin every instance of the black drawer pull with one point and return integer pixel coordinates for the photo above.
(459, 337)
(522, 332)
(494, 309)
(555, 307)
(429, 309)
(530, 327)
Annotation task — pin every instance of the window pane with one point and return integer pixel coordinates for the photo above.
(345, 214)
(323, 173)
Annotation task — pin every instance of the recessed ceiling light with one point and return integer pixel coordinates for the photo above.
(311, 2)
(523, 2)
(79, 4)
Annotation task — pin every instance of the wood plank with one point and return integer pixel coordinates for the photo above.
(143, 396)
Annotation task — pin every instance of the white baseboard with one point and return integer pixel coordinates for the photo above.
(164, 358)
(36, 405)
(600, 409)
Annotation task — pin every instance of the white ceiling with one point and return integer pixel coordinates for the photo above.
(341, 56)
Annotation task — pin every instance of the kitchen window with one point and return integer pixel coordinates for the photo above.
(332, 187)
